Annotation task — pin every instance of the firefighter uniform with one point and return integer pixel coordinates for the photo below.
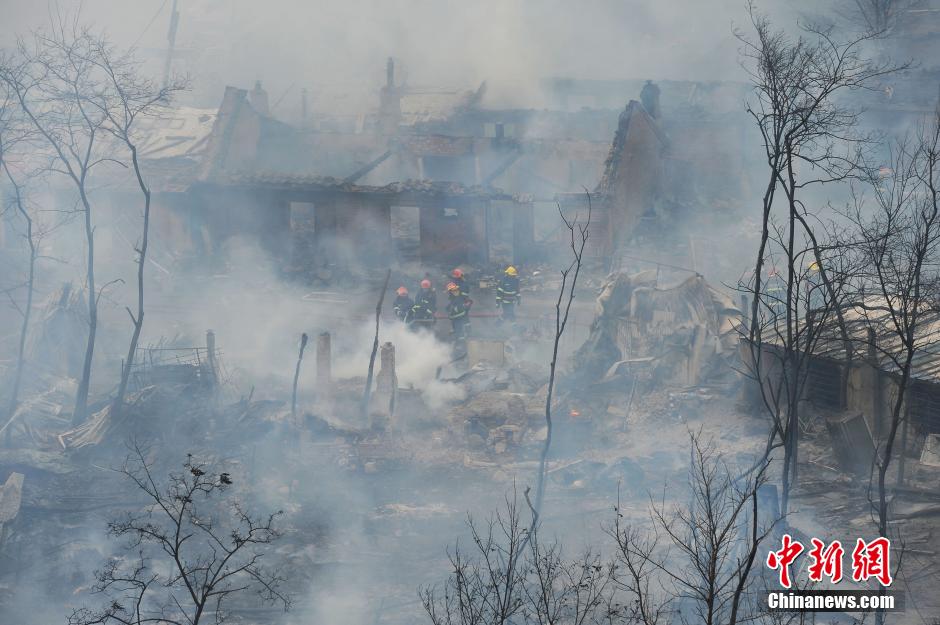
(507, 293)
(422, 313)
(403, 306)
(460, 280)
(458, 311)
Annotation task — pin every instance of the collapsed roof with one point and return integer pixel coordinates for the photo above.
(679, 333)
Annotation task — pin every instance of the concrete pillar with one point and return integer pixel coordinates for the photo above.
(323, 364)
(387, 380)
(386, 386)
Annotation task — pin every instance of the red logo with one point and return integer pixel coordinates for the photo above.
(869, 560)
(781, 560)
(826, 561)
(872, 560)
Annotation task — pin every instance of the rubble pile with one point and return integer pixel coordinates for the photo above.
(683, 335)
(656, 364)
(496, 419)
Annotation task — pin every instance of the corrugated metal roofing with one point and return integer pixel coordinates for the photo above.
(926, 361)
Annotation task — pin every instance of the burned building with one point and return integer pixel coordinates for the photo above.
(436, 198)
(430, 176)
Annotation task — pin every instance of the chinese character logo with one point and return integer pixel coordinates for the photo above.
(869, 560)
(781, 560)
(826, 561)
(872, 559)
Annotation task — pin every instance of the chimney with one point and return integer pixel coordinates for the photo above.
(259, 99)
(389, 103)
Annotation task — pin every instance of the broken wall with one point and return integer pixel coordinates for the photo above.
(634, 173)
(453, 231)
(232, 212)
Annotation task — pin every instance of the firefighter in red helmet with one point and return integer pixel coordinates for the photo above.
(460, 280)
(403, 305)
(422, 313)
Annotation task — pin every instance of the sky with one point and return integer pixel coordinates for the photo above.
(343, 44)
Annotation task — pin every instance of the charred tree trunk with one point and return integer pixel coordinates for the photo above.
(27, 311)
(138, 319)
(367, 394)
(81, 396)
(300, 357)
(578, 239)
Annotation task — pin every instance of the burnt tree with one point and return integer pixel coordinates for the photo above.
(189, 551)
(125, 99)
(804, 127)
(54, 84)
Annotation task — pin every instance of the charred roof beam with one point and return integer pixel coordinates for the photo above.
(501, 169)
(365, 169)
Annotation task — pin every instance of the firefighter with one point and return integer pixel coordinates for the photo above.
(460, 281)
(422, 313)
(403, 305)
(458, 311)
(507, 293)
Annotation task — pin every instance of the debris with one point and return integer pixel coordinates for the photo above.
(11, 495)
(682, 334)
(852, 443)
(915, 510)
(147, 413)
(189, 369)
(28, 460)
(499, 418)
(488, 351)
(414, 511)
(40, 414)
(930, 455)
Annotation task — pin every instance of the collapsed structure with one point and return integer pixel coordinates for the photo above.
(676, 336)
(438, 179)
(431, 176)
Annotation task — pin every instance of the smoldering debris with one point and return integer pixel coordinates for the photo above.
(409, 471)
(11, 496)
(280, 210)
(681, 335)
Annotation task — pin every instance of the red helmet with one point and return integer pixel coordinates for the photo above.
(425, 284)
(452, 287)
(457, 273)
(402, 291)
